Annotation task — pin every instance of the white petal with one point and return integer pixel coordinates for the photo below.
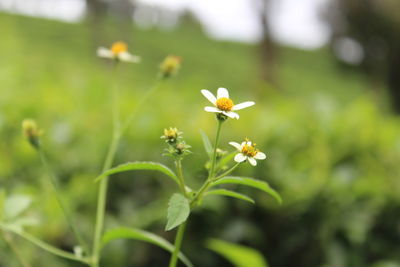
(222, 92)
(231, 114)
(212, 109)
(104, 52)
(260, 155)
(127, 57)
(209, 96)
(240, 157)
(236, 145)
(243, 105)
(252, 161)
(242, 145)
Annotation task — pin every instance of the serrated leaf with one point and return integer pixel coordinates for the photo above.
(229, 193)
(239, 256)
(264, 186)
(139, 165)
(207, 144)
(141, 235)
(178, 211)
(15, 205)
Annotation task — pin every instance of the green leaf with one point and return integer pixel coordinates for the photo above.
(229, 193)
(264, 186)
(225, 160)
(178, 211)
(141, 235)
(15, 205)
(207, 144)
(239, 256)
(139, 165)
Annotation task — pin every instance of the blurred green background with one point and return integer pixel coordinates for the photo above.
(331, 138)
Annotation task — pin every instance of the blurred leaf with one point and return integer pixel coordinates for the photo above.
(225, 160)
(140, 165)
(264, 186)
(207, 144)
(2, 200)
(15, 205)
(178, 211)
(141, 235)
(229, 193)
(238, 255)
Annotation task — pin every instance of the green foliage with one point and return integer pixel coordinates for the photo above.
(15, 205)
(264, 186)
(229, 193)
(239, 256)
(178, 211)
(141, 235)
(130, 166)
(207, 143)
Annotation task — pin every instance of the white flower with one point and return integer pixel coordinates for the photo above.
(223, 104)
(118, 51)
(247, 151)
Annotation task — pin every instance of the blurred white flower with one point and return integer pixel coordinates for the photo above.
(248, 152)
(223, 104)
(118, 51)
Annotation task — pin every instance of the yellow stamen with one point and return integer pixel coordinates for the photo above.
(119, 47)
(224, 104)
(249, 150)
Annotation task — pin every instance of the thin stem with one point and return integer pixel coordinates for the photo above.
(177, 244)
(214, 159)
(43, 245)
(67, 215)
(178, 165)
(101, 201)
(133, 114)
(227, 172)
(14, 248)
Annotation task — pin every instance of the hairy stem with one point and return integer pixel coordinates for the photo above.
(178, 243)
(178, 164)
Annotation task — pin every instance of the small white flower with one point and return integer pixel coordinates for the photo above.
(118, 51)
(223, 104)
(247, 151)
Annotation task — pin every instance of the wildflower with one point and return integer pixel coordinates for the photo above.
(248, 151)
(119, 52)
(31, 132)
(170, 66)
(171, 135)
(223, 104)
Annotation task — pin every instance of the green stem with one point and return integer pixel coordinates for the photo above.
(43, 245)
(118, 131)
(177, 244)
(214, 159)
(11, 244)
(178, 164)
(227, 172)
(133, 114)
(101, 201)
(67, 215)
(207, 183)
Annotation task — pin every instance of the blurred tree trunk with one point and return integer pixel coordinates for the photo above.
(375, 25)
(96, 12)
(268, 49)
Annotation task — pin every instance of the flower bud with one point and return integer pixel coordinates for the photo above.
(31, 132)
(171, 135)
(170, 66)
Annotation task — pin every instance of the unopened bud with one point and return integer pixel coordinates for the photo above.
(170, 66)
(171, 135)
(31, 132)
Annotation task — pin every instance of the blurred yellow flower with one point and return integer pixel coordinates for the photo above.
(170, 65)
(118, 51)
(31, 132)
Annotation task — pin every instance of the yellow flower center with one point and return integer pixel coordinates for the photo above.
(224, 104)
(119, 47)
(249, 150)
